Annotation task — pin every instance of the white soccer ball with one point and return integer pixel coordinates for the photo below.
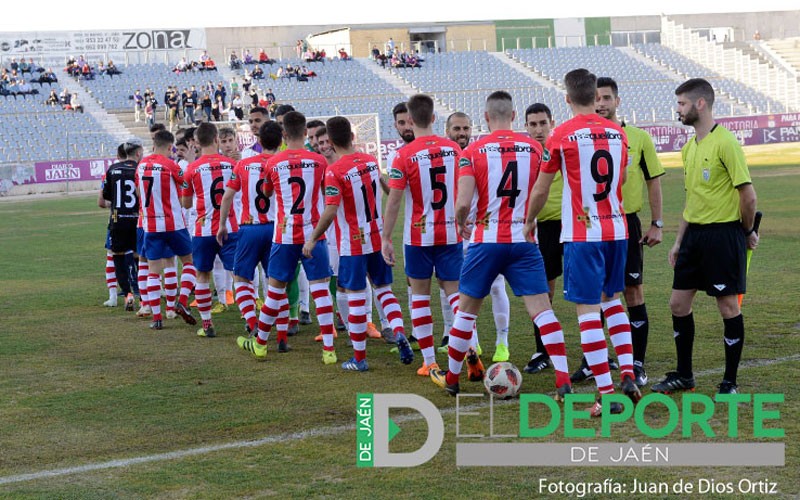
(503, 380)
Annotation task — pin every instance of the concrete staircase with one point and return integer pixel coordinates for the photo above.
(402, 86)
(111, 125)
(525, 70)
(137, 129)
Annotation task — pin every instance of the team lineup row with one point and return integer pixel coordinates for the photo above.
(502, 209)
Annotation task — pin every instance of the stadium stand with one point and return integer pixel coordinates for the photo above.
(756, 101)
(788, 49)
(33, 130)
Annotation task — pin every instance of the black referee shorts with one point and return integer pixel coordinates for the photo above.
(548, 236)
(712, 257)
(123, 235)
(634, 265)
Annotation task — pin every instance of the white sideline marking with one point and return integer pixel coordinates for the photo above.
(282, 438)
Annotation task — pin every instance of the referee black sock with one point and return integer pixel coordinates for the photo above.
(683, 330)
(734, 342)
(539, 345)
(133, 272)
(123, 276)
(640, 328)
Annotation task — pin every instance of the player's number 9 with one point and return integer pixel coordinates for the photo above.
(607, 179)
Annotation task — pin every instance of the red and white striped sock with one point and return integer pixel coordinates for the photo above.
(269, 312)
(595, 349)
(391, 308)
(202, 293)
(358, 323)
(144, 292)
(246, 303)
(154, 294)
(188, 281)
(282, 321)
(171, 286)
(422, 326)
(111, 275)
(553, 339)
(619, 329)
(460, 336)
(324, 307)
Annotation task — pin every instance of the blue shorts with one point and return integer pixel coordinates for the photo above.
(167, 244)
(353, 270)
(205, 249)
(593, 268)
(283, 262)
(520, 263)
(141, 247)
(446, 259)
(254, 245)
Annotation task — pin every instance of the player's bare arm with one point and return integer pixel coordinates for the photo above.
(324, 223)
(654, 234)
(466, 190)
(384, 184)
(541, 190)
(747, 206)
(187, 201)
(389, 221)
(224, 210)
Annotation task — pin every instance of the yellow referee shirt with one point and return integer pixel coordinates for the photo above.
(713, 169)
(643, 165)
(552, 207)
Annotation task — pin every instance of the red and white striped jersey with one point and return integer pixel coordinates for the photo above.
(505, 166)
(205, 180)
(159, 180)
(592, 155)
(353, 184)
(248, 180)
(426, 170)
(296, 176)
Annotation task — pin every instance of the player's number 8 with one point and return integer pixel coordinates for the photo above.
(262, 201)
(599, 178)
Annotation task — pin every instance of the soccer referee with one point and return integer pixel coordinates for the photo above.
(717, 228)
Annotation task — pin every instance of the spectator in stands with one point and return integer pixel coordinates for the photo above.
(206, 105)
(248, 57)
(24, 67)
(234, 61)
(195, 95)
(205, 57)
(111, 69)
(210, 65)
(220, 93)
(269, 97)
(48, 76)
(390, 47)
(4, 76)
(188, 103)
(101, 68)
(25, 88)
(138, 105)
(35, 68)
(172, 102)
(14, 66)
(217, 108)
(343, 55)
(150, 113)
(308, 56)
(234, 85)
(52, 99)
(756, 36)
(238, 106)
(299, 48)
(181, 66)
(86, 72)
(263, 58)
(375, 53)
(253, 97)
(65, 96)
(247, 81)
(74, 104)
(258, 73)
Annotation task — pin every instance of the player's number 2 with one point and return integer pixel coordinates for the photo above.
(607, 179)
(296, 208)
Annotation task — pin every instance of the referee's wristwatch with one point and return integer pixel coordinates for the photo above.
(658, 223)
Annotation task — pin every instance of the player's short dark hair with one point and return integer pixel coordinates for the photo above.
(163, 138)
(420, 108)
(121, 154)
(696, 88)
(156, 127)
(206, 134)
(315, 124)
(538, 107)
(339, 131)
(320, 132)
(188, 133)
(283, 109)
(607, 81)
(457, 114)
(581, 86)
(259, 109)
(226, 132)
(131, 148)
(399, 108)
(499, 104)
(294, 124)
(270, 135)
(181, 142)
